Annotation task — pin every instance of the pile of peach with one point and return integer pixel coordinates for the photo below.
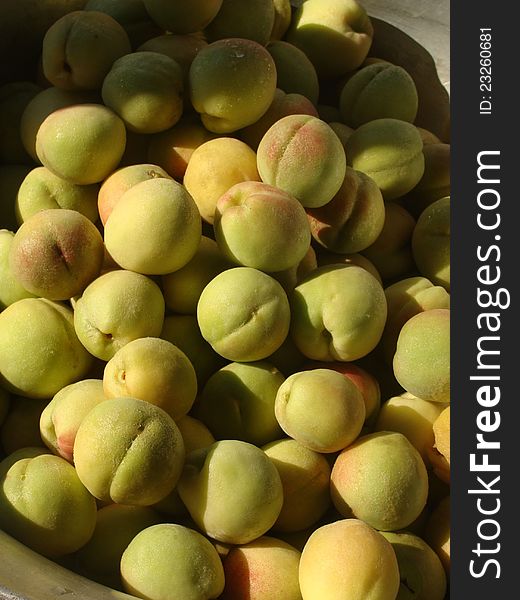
(225, 243)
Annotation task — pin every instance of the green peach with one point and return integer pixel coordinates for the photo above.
(305, 476)
(45, 506)
(168, 560)
(244, 314)
(145, 90)
(237, 403)
(386, 503)
(422, 358)
(235, 19)
(63, 415)
(330, 258)
(128, 451)
(338, 313)
(79, 49)
(116, 308)
(335, 34)
(342, 131)
(282, 18)
(55, 254)
(194, 434)
(389, 151)
(440, 451)
(182, 289)
(290, 278)
(379, 91)
(437, 533)
(295, 74)
(11, 177)
(232, 491)
(214, 167)
(265, 569)
(301, 155)
(11, 289)
(232, 84)
(154, 370)
(178, 18)
(82, 143)
(353, 219)
(348, 560)
(259, 226)
(38, 361)
(21, 425)
(431, 242)
(163, 220)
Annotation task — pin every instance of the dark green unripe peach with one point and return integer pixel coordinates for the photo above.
(253, 20)
(178, 18)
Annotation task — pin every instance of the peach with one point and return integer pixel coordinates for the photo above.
(145, 90)
(237, 403)
(232, 491)
(194, 434)
(428, 137)
(389, 151)
(170, 560)
(422, 358)
(386, 503)
(440, 450)
(79, 49)
(82, 143)
(282, 18)
(116, 308)
(39, 360)
(252, 21)
(154, 370)
(342, 131)
(45, 506)
(353, 219)
(163, 220)
(244, 314)
(264, 569)
(11, 289)
(305, 476)
(301, 155)
(335, 34)
(128, 451)
(348, 560)
(295, 73)
(232, 84)
(379, 91)
(330, 258)
(63, 415)
(178, 18)
(21, 425)
(290, 278)
(338, 313)
(259, 226)
(437, 533)
(214, 167)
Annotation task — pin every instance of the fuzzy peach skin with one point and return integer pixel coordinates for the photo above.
(283, 105)
(55, 254)
(259, 226)
(116, 308)
(265, 569)
(21, 425)
(290, 278)
(214, 167)
(237, 403)
(172, 561)
(389, 151)
(79, 49)
(330, 258)
(387, 503)
(348, 560)
(321, 409)
(437, 532)
(82, 143)
(301, 155)
(128, 451)
(421, 571)
(145, 90)
(282, 18)
(232, 491)
(431, 242)
(244, 314)
(45, 506)
(379, 91)
(422, 358)
(182, 288)
(162, 219)
(295, 72)
(353, 219)
(251, 21)
(232, 84)
(338, 313)
(336, 35)
(154, 370)
(440, 451)
(178, 18)
(39, 360)
(194, 433)
(172, 149)
(11, 289)
(305, 476)
(63, 415)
